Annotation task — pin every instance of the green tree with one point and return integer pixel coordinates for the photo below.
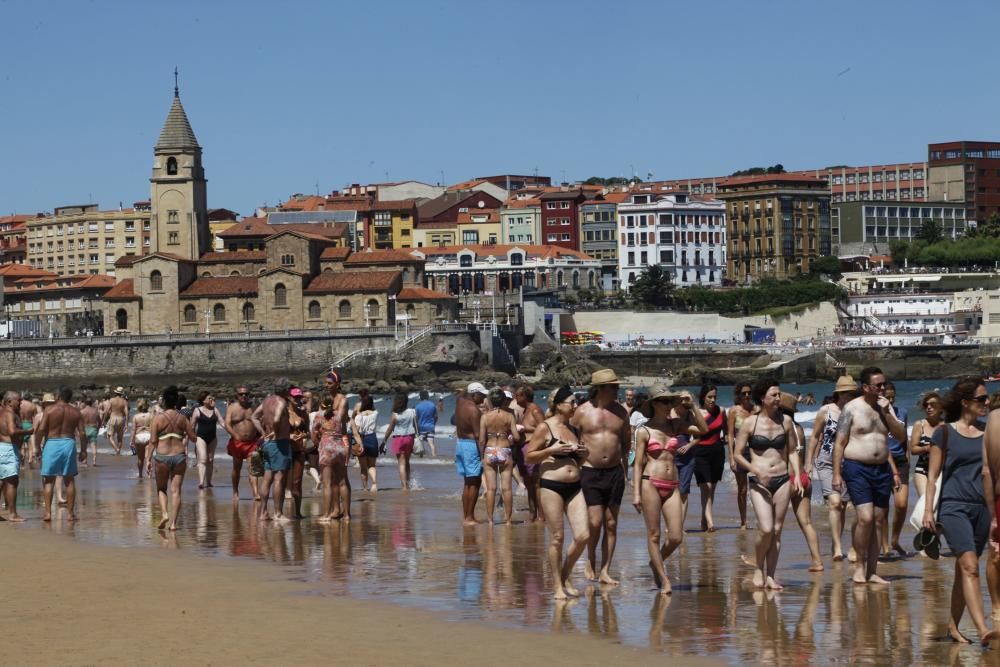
(930, 231)
(653, 288)
(825, 265)
(989, 229)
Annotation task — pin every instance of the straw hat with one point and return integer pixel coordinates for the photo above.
(845, 383)
(603, 376)
(119, 390)
(48, 397)
(788, 401)
(659, 390)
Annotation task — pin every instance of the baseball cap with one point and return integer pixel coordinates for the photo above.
(477, 388)
(295, 392)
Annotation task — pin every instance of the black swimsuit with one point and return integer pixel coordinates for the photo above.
(205, 427)
(760, 444)
(567, 490)
(923, 460)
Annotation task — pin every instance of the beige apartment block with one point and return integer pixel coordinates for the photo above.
(82, 240)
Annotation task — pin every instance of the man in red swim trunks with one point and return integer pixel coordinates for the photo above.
(243, 439)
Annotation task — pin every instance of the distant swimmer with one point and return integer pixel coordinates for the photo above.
(169, 434)
(244, 438)
(61, 430)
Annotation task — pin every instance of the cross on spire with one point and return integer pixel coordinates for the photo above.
(176, 88)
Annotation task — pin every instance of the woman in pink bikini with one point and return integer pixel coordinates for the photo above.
(334, 448)
(655, 479)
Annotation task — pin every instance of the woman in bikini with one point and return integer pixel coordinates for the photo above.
(140, 432)
(773, 475)
(169, 433)
(497, 433)
(742, 408)
(366, 441)
(920, 438)
(298, 423)
(655, 477)
(555, 447)
(328, 432)
(205, 420)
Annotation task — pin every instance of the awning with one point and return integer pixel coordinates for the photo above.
(925, 279)
(892, 279)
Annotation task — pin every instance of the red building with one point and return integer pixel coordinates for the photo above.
(967, 171)
(560, 216)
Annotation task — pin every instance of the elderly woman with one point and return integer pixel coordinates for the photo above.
(656, 479)
(555, 447)
(773, 475)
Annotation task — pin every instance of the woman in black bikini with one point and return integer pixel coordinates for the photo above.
(920, 438)
(168, 436)
(204, 420)
(770, 439)
(555, 447)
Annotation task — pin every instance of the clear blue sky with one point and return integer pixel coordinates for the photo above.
(285, 95)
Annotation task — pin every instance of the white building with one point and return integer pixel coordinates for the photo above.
(913, 313)
(685, 236)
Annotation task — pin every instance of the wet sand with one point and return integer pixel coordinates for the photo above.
(112, 573)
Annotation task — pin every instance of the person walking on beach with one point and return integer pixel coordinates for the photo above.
(243, 439)
(629, 402)
(402, 430)
(27, 410)
(271, 419)
(468, 458)
(960, 463)
(685, 458)
(11, 435)
(821, 445)
(529, 417)
(332, 384)
(555, 448)
(742, 408)
(91, 427)
(298, 438)
(363, 426)
(334, 450)
(141, 437)
(710, 453)
(862, 465)
(802, 502)
(427, 418)
(497, 434)
(655, 479)
(169, 434)
(117, 419)
(901, 494)
(774, 475)
(604, 431)
(205, 420)
(921, 438)
(61, 430)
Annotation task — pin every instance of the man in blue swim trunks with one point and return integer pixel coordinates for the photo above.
(11, 432)
(468, 457)
(61, 433)
(271, 419)
(861, 461)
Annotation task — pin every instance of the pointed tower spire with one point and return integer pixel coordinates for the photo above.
(177, 132)
(177, 91)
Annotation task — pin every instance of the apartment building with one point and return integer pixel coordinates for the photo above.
(969, 172)
(685, 236)
(83, 240)
(521, 219)
(778, 224)
(599, 234)
(560, 218)
(856, 226)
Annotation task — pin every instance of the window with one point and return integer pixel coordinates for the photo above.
(109, 226)
(280, 295)
(344, 309)
(465, 260)
(173, 217)
(190, 314)
(171, 166)
(173, 238)
(288, 260)
(248, 312)
(314, 310)
(631, 259)
(565, 237)
(564, 204)
(550, 206)
(517, 259)
(219, 313)
(156, 281)
(121, 319)
(372, 308)
(470, 236)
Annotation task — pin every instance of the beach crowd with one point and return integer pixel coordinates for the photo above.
(576, 462)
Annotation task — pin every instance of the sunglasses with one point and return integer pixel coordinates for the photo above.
(984, 398)
(570, 401)
(880, 385)
(243, 393)
(745, 393)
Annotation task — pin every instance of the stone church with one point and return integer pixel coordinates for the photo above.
(300, 280)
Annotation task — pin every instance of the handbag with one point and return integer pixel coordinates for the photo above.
(418, 446)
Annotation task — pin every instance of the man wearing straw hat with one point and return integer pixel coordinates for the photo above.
(605, 433)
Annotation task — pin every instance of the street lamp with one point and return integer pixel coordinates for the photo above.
(395, 317)
(367, 314)
(208, 321)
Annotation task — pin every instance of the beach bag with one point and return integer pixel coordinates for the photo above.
(418, 446)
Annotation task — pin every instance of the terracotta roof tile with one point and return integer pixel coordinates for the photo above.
(422, 294)
(394, 205)
(247, 227)
(59, 283)
(353, 281)
(304, 203)
(221, 286)
(394, 256)
(123, 291)
(466, 185)
(234, 256)
(529, 202)
(15, 271)
(335, 253)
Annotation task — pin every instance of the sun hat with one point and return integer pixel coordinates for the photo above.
(660, 390)
(788, 402)
(845, 383)
(603, 376)
(119, 390)
(477, 388)
(48, 397)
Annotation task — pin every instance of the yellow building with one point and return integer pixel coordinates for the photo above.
(393, 223)
(82, 240)
(434, 234)
(778, 224)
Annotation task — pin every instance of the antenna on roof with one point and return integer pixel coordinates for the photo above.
(176, 87)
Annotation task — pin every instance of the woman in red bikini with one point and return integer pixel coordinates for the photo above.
(655, 479)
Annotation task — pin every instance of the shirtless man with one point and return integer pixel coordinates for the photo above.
(243, 438)
(11, 432)
(332, 383)
(91, 425)
(468, 456)
(629, 403)
(61, 430)
(604, 430)
(26, 412)
(271, 419)
(117, 418)
(529, 416)
(861, 459)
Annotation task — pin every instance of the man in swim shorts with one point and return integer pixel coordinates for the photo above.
(427, 417)
(861, 462)
(117, 418)
(27, 410)
(91, 425)
(468, 457)
(604, 430)
(243, 439)
(271, 419)
(11, 433)
(61, 430)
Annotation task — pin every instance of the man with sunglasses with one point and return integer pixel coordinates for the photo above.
(861, 459)
(243, 438)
